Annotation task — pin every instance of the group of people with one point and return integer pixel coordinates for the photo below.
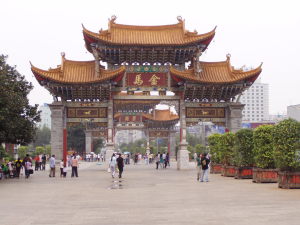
(162, 160)
(202, 162)
(92, 157)
(13, 169)
(73, 161)
(116, 162)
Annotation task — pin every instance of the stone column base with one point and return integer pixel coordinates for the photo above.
(108, 153)
(183, 157)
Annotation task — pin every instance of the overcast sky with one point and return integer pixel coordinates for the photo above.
(251, 31)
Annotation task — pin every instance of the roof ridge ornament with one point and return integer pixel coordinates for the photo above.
(111, 21)
(63, 59)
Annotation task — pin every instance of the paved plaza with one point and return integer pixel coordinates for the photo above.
(144, 196)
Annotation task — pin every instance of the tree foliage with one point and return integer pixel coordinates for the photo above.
(17, 118)
(263, 147)
(97, 145)
(227, 148)
(22, 151)
(215, 147)
(76, 138)
(43, 136)
(286, 137)
(243, 150)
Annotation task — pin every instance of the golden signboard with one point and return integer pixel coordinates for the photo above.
(158, 134)
(85, 112)
(205, 112)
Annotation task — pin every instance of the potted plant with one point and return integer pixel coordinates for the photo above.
(286, 137)
(215, 153)
(265, 170)
(227, 153)
(243, 154)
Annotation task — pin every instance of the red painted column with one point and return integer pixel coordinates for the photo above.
(65, 146)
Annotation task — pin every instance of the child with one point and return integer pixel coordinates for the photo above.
(65, 171)
(62, 168)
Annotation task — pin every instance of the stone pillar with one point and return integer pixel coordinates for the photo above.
(148, 142)
(110, 147)
(183, 153)
(88, 141)
(172, 144)
(57, 126)
(234, 116)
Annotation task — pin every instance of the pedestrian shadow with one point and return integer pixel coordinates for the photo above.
(116, 184)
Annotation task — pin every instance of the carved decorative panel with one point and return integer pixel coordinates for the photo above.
(205, 112)
(84, 112)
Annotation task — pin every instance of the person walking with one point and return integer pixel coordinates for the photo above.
(74, 164)
(112, 165)
(61, 165)
(204, 163)
(44, 158)
(18, 165)
(28, 169)
(157, 160)
(52, 166)
(120, 163)
(198, 166)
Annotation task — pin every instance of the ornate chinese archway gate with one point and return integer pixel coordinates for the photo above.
(154, 59)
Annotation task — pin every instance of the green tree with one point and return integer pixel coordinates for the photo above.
(17, 118)
(263, 147)
(227, 145)
(39, 150)
(22, 151)
(286, 137)
(215, 147)
(3, 153)
(243, 148)
(43, 136)
(97, 145)
(48, 149)
(76, 138)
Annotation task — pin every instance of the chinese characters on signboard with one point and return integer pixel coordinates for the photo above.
(146, 79)
(204, 112)
(100, 112)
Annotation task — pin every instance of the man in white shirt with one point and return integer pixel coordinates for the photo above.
(52, 166)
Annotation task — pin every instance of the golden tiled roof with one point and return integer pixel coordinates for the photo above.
(174, 34)
(216, 72)
(161, 115)
(76, 72)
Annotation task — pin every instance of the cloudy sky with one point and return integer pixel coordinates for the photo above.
(251, 31)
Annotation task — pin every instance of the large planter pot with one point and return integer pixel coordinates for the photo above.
(289, 180)
(244, 172)
(228, 171)
(265, 175)
(215, 168)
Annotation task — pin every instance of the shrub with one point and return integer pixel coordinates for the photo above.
(286, 137)
(215, 147)
(226, 148)
(263, 147)
(22, 151)
(243, 148)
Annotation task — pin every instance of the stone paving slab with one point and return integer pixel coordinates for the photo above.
(144, 196)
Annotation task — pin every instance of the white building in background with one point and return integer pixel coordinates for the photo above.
(293, 111)
(45, 115)
(256, 100)
(128, 136)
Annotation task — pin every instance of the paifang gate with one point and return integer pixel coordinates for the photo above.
(140, 61)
